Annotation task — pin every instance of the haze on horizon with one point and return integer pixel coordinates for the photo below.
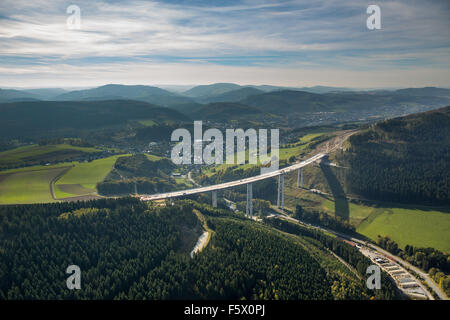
(183, 42)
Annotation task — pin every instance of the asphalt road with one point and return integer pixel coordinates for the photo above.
(404, 263)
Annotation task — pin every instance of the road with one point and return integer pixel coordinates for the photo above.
(420, 272)
(381, 251)
(201, 243)
(189, 177)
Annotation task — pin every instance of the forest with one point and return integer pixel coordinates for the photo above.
(401, 160)
(350, 254)
(128, 249)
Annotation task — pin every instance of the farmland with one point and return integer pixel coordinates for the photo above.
(413, 225)
(424, 228)
(32, 184)
(36, 154)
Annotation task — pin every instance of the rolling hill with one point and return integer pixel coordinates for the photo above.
(41, 154)
(210, 90)
(148, 94)
(28, 119)
(45, 93)
(224, 111)
(427, 91)
(10, 95)
(231, 96)
(289, 102)
(403, 159)
(143, 252)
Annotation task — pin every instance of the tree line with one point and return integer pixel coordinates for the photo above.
(128, 249)
(433, 261)
(401, 160)
(349, 254)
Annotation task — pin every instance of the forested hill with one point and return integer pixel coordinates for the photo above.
(23, 119)
(404, 159)
(127, 249)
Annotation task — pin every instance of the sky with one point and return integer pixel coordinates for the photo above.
(187, 42)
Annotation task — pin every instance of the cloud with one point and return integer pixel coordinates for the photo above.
(291, 34)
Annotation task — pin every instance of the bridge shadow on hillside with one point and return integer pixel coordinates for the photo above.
(341, 207)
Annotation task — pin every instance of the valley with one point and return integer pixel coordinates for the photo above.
(126, 153)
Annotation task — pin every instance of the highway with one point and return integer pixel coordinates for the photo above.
(375, 248)
(438, 290)
(226, 185)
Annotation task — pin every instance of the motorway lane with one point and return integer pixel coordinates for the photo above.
(381, 251)
(420, 272)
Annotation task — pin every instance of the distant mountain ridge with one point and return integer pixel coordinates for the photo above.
(426, 91)
(224, 111)
(211, 90)
(231, 96)
(45, 93)
(293, 101)
(153, 95)
(281, 101)
(11, 95)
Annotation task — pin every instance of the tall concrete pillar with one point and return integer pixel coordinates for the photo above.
(214, 198)
(300, 178)
(279, 191)
(280, 197)
(249, 207)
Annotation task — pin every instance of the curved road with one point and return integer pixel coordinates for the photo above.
(420, 272)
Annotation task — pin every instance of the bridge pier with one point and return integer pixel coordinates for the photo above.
(249, 207)
(280, 196)
(300, 178)
(214, 198)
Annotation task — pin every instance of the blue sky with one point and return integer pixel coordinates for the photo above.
(293, 43)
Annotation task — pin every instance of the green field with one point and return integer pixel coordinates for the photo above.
(153, 157)
(83, 177)
(27, 186)
(420, 227)
(148, 122)
(32, 184)
(35, 154)
(409, 226)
